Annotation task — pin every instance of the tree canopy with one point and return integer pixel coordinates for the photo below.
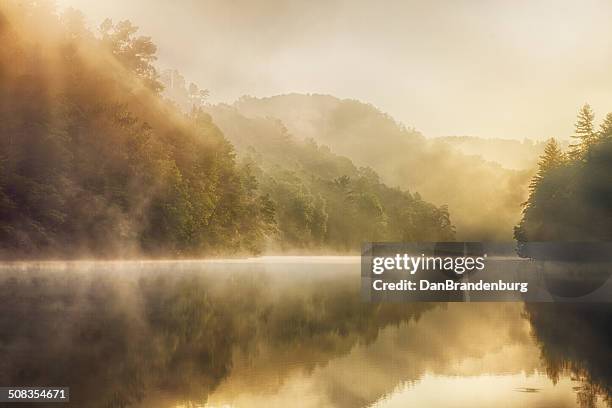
(92, 162)
(571, 195)
(95, 162)
(323, 201)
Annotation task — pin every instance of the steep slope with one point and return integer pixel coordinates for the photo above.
(483, 198)
(323, 200)
(93, 163)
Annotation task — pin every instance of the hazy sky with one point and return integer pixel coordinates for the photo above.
(484, 68)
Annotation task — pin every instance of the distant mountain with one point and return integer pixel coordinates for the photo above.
(509, 153)
(483, 197)
(322, 200)
(95, 161)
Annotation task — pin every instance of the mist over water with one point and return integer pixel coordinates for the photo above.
(284, 332)
(99, 161)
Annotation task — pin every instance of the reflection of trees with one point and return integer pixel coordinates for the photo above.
(576, 339)
(155, 339)
(114, 341)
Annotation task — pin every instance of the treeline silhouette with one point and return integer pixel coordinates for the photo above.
(93, 161)
(571, 195)
(483, 197)
(323, 199)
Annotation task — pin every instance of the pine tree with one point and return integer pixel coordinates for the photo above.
(605, 130)
(552, 158)
(584, 134)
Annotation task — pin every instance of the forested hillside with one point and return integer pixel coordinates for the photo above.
(93, 163)
(571, 195)
(323, 200)
(483, 197)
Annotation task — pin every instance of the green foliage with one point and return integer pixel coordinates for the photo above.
(322, 200)
(483, 197)
(552, 158)
(605, 131)
(585, 134)
(135, 53)
(571, 197)
(92, 161)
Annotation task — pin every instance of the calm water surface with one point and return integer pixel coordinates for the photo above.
(286, 332)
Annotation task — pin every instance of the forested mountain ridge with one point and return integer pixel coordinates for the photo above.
(322, 199)
(94, 162)
(483, 197)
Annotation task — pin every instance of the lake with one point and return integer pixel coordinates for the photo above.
(286, 332)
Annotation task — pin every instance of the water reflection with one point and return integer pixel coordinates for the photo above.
(576, 338)
(286, 333)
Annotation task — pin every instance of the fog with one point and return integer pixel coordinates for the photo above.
(143, 184)
(285, 333)
(484, 199)
(487, 69)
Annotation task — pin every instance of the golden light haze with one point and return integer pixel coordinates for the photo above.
(481, 68)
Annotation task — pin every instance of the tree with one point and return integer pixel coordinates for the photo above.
(552, 158)
(605, 130)
(322, 200)
(89, 167)
(584, 134)
(544, 195)
(136, 53)
(197, 96)
(571, 200)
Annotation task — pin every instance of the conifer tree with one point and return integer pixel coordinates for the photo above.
(605, 130)
(552, 158)
(584, 134)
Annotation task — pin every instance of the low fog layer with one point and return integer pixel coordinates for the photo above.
(157, 334)
(509, 153)
(95, 159)
(484, 199)
(94, 162)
